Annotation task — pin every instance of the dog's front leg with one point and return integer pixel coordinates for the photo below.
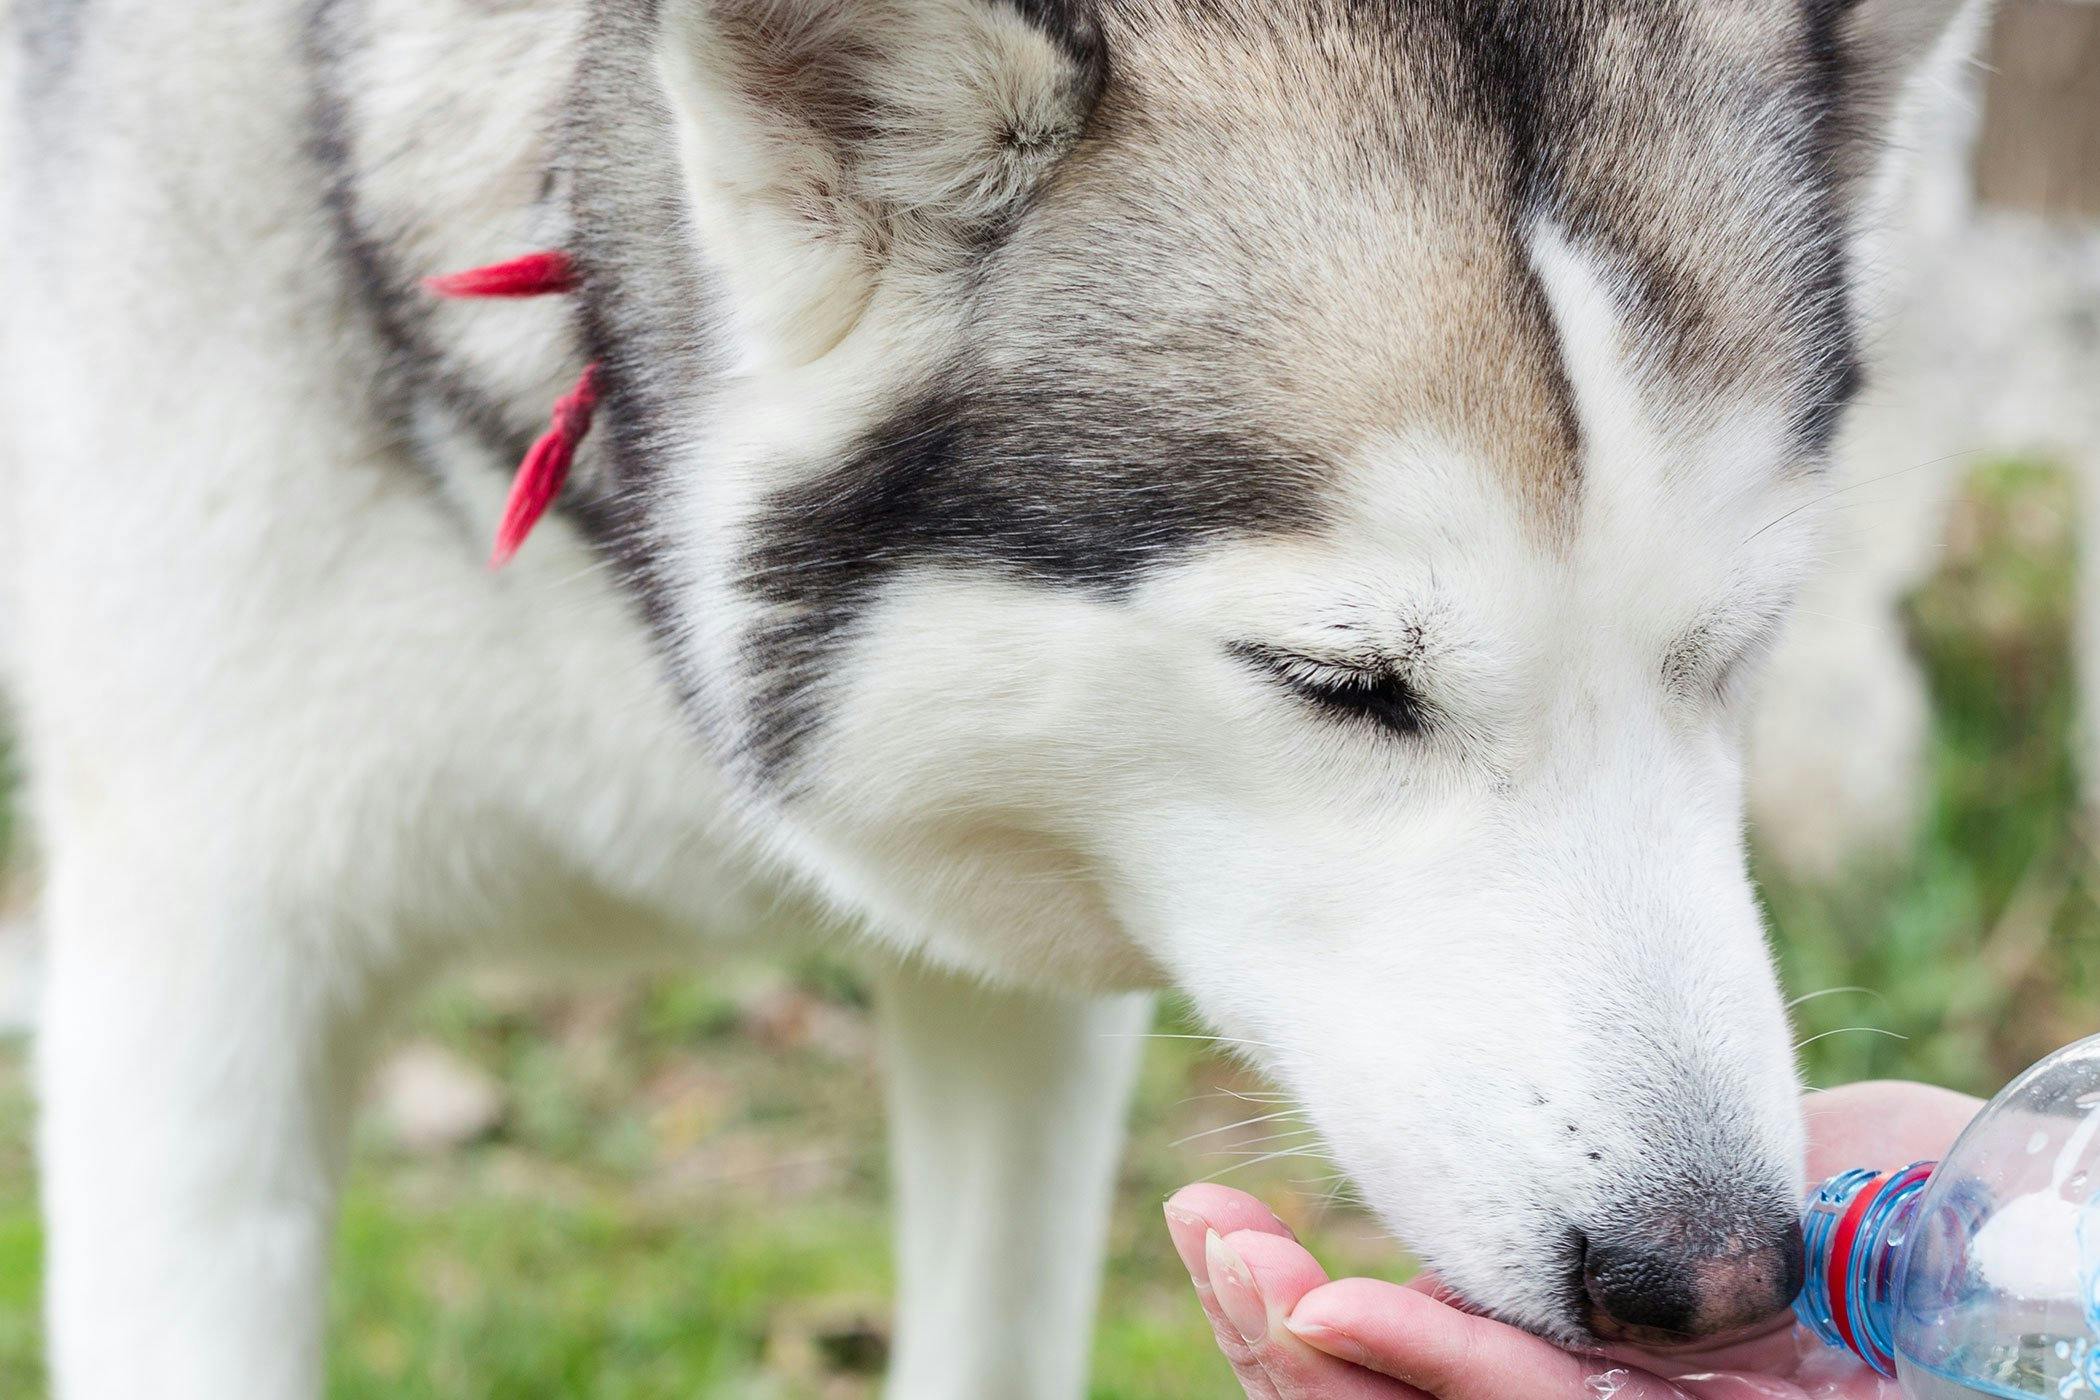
(194, 1084)
(1006, 1123)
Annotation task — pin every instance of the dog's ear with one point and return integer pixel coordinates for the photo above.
(827, 141)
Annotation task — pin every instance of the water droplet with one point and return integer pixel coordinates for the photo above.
(2039, 1143)
(1608, 1385)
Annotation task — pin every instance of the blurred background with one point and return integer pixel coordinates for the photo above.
(674, 1187)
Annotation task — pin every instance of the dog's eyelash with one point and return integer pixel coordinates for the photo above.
(1378, 695)
(1722, 677)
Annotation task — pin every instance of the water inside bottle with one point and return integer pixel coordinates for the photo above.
(2036, 1366)
(2007, 1345)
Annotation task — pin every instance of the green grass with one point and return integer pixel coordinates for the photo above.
(685, 1199)
(1982, 946)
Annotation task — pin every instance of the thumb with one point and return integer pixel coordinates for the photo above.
(1452, 1355)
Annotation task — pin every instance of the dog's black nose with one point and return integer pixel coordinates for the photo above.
(1659, 1290)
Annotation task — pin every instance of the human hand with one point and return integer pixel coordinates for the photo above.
(1292, 1334)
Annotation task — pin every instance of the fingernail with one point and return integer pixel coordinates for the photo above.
(1319, 1336)
(1234, 1283)
(1187, 1230)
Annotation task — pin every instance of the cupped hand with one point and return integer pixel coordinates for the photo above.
(1290, 1333)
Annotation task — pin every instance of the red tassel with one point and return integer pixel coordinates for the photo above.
(549, 273)
(546, 468)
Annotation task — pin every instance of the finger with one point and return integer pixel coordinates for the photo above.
(1279, 1278)
(1882, 1125)
(1451, 1355)
(1257, 1279)
(1191, 1234)
(1194, 1211)
(1192, 1214)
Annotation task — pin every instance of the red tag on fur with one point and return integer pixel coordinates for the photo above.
(545, 469)
(550, 273)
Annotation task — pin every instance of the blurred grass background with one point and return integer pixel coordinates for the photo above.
(674, 1187)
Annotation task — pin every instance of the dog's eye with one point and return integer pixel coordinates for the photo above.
(1378, 695)
(1716, 665)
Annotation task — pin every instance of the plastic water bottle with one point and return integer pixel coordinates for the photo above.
(1980, 1275)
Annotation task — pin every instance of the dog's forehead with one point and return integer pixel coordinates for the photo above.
(1292, 253)
(1322, 218)
(1299, 230)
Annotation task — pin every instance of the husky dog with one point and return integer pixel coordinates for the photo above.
(1282, 499)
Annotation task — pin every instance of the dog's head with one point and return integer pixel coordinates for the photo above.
(1287, 497)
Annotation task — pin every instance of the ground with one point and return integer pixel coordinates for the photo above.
(673, 1188)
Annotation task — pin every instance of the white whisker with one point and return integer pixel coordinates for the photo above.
(1844, 1030)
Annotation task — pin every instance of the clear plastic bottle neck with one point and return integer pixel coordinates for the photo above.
(1856, 1229)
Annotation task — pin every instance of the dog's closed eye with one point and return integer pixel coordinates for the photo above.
(1718, 655)
(1358, 693)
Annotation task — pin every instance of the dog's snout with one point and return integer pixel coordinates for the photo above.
(1657, 1287)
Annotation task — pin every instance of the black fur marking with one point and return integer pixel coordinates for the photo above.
(632, 427)
(646, 309)
(1072, 23)
(391, 293)
(1836, 134)
(327, 142)
(1545, 84)
(1079, 489)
